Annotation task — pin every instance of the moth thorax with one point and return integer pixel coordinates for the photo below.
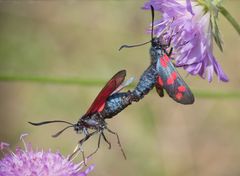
(155, 54)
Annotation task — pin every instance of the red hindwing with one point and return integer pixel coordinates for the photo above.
(99, 102)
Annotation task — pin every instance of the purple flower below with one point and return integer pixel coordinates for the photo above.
(38, 163)
(189, 26)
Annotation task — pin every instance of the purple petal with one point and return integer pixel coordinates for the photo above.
(218, 70)
(36, 163)
(3, 145)
(89, 169)
(189, 6)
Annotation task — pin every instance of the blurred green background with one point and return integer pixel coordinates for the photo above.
(80, 39)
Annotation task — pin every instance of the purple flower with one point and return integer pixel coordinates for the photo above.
(190, 26)
(29, 162)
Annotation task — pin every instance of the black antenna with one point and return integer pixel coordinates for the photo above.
(47, 122)
(141, 44)
(131, 46)
(54, 121)
(60, 132)
(152, 11)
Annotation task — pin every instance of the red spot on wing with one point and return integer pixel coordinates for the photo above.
(181, 88)
(163, 63)
(101, 107)
(179, 96)
(174, 75)
(164, 60)
(160, 81)
(172, 78)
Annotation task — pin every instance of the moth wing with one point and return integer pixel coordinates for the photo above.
(123, 85)
(159, 89)
(109, 88)
(172, 82)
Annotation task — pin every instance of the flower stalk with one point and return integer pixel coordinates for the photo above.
(230, 18)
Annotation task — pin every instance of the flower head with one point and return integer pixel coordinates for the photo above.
(190, 26)
(29, 162)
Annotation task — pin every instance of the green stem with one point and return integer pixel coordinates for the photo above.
(87, 82)
(217, 94)
(230, 18)
(51, 80)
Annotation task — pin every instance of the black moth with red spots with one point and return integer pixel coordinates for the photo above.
(161, 73)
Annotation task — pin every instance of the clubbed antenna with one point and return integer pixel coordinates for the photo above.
(152, 11)
(60, 132)
(51, 121)
(141, 44)
(131, 46)
(54, 121)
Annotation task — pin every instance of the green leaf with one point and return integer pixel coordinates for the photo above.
(230, 18)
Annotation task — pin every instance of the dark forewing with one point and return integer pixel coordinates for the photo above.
(111, 85)
(172, 81)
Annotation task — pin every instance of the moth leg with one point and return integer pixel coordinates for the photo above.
(76, 150)
(83, 155)
(170, 52)
(80, 143)
(98, 146)
(105, 139)
(119, 143)
(75, 153)
(175, 65)
(169, 42)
